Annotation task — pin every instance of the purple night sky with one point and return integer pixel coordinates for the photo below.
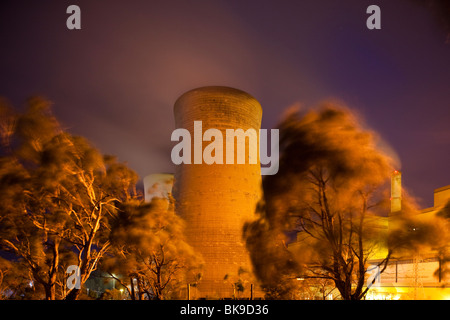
(116, 80)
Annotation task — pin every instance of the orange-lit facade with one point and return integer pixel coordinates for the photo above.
(413, 276)
(420, 275)
(216, 200)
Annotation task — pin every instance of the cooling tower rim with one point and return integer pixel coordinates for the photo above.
(232, 92)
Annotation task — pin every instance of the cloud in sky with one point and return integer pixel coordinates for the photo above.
(116, 80)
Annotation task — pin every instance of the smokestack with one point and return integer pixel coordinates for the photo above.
(396, 191)
(216, 200)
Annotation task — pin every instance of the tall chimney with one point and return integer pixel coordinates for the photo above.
(396, 191)
(217, 199)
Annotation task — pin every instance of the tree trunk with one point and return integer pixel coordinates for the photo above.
(132, 293)
(74, 294)
(50, 292)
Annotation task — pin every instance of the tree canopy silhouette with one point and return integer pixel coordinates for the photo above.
(333, 189)
(58, 196)
(149, 250)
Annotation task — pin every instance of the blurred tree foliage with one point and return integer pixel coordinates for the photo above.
(150, 253)
(60, 200)
(333, 188)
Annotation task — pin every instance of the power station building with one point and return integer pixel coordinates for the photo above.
(418, 276)
(217, 199)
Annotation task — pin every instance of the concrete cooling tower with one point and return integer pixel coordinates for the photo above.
(217, 199)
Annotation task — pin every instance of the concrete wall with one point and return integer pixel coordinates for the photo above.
(441, 196)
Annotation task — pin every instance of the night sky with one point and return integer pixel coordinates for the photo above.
(115, 81)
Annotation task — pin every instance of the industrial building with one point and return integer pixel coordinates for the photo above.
(408, 276)
(420, 275)
(217, 199)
